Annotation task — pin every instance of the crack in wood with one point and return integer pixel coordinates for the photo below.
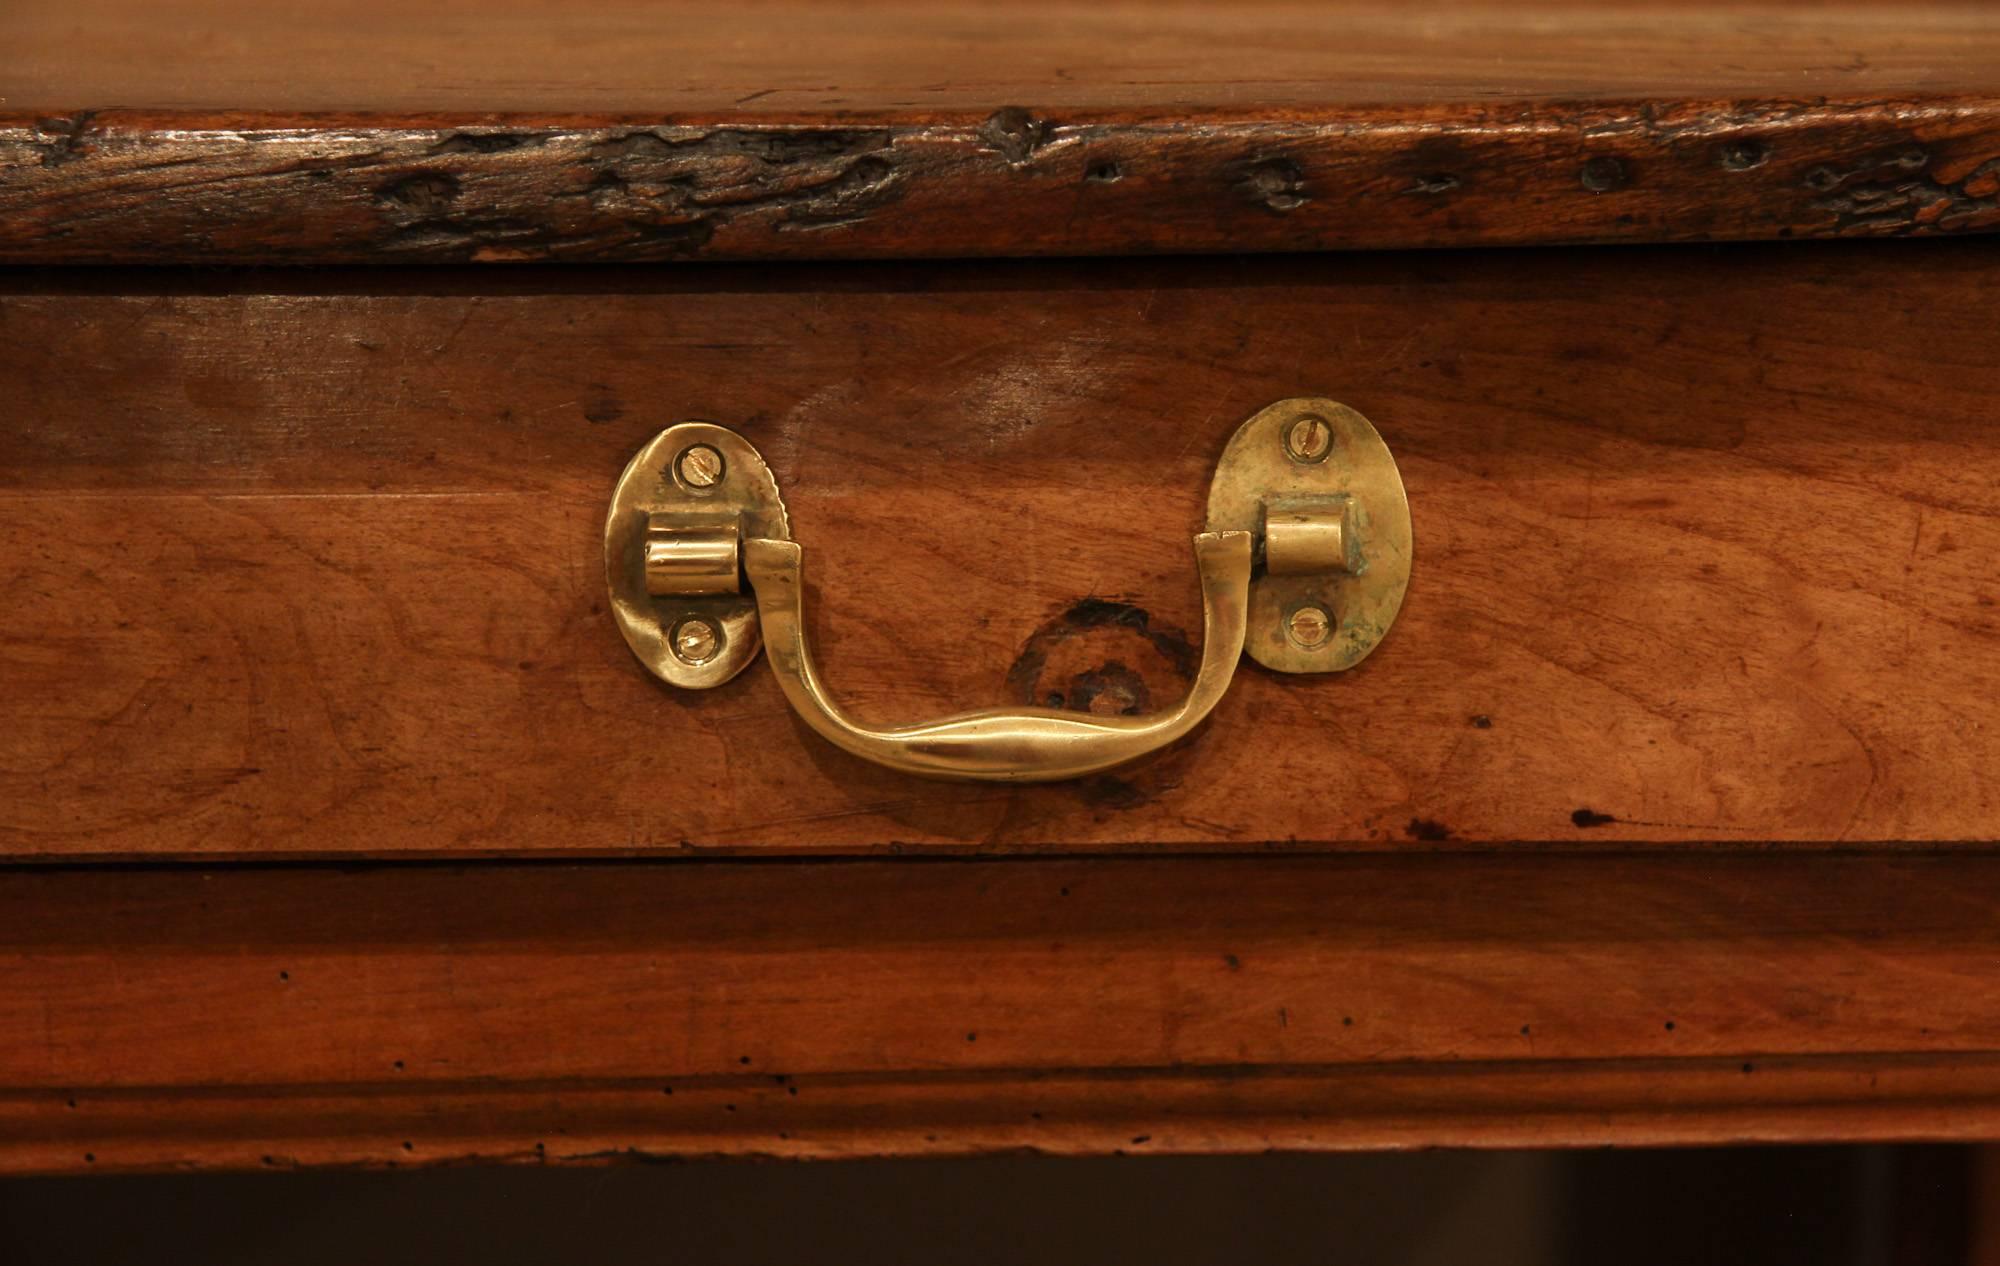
(1899, 194)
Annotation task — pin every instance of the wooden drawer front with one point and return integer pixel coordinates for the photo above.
(427, 1015)
(311, 563)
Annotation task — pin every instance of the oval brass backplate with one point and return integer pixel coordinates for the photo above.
(706, 477)
(1314, 475)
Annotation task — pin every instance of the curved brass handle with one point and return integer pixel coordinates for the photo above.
(1303, 566)
(1000, 744)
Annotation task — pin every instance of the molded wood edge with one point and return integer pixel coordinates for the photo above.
(111, 186)
(1880, 1098)
(282, 1016)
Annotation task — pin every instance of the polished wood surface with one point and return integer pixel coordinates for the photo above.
(1663, 815)
(368, 132)
(304, 564)
(788, 57)
(547, 1014)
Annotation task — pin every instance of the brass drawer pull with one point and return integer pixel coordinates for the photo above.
(1303, 564)
(1022, 744)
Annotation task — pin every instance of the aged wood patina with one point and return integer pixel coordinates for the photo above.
(363, 132)
(1702, 542)
(340, 825)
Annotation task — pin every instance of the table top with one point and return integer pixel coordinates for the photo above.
(790, 59)
(224, 131)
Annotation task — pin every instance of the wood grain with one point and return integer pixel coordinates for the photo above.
(782, 57)
(363, 132)
(309, 564)
(424, 1015)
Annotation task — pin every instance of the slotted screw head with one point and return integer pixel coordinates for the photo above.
(1309, 626)
(700, 466)
(695, 641)
(1309, 439)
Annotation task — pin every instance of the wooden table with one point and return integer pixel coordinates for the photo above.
(340, 826)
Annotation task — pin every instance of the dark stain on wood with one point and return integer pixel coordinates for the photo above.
(1432, 166)
(1277, 184)
(424, 196)
(1096, 657)
(1015, 134)
(601, 405)
(1112, 689)
(1099, 627)
(1605, 173)
(1744, 155)
(1107, 791)
(1436, 182)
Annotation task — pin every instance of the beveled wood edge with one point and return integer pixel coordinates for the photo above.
(114, 186)
(169, 1017)
(1514, 1104)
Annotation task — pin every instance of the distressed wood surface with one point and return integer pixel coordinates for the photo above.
(374, 133)
(302, 564)
(550, 1014)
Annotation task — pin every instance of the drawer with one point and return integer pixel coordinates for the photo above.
(311, 564)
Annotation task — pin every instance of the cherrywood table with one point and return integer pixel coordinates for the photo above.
(338, 824)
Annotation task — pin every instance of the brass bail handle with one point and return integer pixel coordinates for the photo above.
(1303, 563)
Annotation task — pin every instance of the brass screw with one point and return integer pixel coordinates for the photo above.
(1309, 626)
(700, 466)
(1309, 439)
(695, 641)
